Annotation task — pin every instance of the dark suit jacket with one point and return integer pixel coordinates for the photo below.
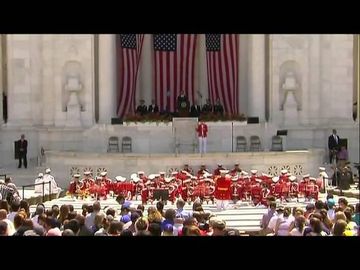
(23, 146)
(154, 109)
(332, 142)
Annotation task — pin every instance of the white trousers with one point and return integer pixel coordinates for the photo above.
(202, 145)
(221, 204)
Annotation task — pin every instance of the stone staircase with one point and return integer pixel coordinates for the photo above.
(242, 217)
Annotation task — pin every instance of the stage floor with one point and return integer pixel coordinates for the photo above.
(65, 163)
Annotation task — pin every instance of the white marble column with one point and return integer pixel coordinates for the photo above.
(256, 90)
(202, 71)
(107, 78)
(145, 78)
(48, 101)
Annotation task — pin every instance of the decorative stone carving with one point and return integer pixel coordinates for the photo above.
(290, 82)
(72, 89)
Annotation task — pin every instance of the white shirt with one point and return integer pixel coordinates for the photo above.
(11, 229)
(272, 222)
(53, 185)
(11, 216)
(295, 232)
(284, 226)
(38, 188)
(90, 220)
(331, 214)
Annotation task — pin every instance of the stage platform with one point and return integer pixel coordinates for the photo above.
(66, 163)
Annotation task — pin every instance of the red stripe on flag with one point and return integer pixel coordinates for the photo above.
(222, 72)
(174, 72)
(129, 67)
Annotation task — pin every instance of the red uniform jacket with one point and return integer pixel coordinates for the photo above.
(73, 188)
(217, 171)
(202, 130)
(223, 188)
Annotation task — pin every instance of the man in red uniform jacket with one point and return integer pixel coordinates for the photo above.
(75, 185)
(218, 169)
(236, 170)
(223, 190)
(202, 130)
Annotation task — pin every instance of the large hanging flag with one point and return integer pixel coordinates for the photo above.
(174, 63)
(130, 47)
(222, 55)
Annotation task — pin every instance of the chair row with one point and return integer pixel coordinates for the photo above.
(255, 143)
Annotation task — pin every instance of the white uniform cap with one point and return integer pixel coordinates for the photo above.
(322, 168)
(224, 171)
(136, 179)
(132, 176)
(103, 173)
(87, 172)
(151, 176)
(40, 175)
(275, 179)
(284, 171)
(120, 178)
(323, 174)
(258, 180)
(48, 170)
(193, 177)
(141, 172)
(174, 173)
(98, 177)
(168, 179)
(312, 179)
(292, 178)
(162, 173)
(254, 171)
(244, 173)
(306, 175)
(76, 175)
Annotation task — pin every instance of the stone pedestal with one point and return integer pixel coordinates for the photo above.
(73, 117)
(291, 116)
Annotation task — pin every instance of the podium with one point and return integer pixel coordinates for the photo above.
(185, 136)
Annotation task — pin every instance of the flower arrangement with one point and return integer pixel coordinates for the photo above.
(151, 117)
(211, 117)
(156, 117)
(80, 194)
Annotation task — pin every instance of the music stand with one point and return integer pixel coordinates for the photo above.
(161, 194)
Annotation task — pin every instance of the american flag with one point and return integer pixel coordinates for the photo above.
(222, 55)
(173, 68)
(129, 48)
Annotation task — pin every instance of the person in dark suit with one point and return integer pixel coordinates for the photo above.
(153, 107)
(23, 144)
(218, 108)
(141, 109)
(207, 107)
(183, 103)
(195, 110)
(333, 145)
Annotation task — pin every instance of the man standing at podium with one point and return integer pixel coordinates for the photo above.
(183, 103)
(202, 130)
(22, 151)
